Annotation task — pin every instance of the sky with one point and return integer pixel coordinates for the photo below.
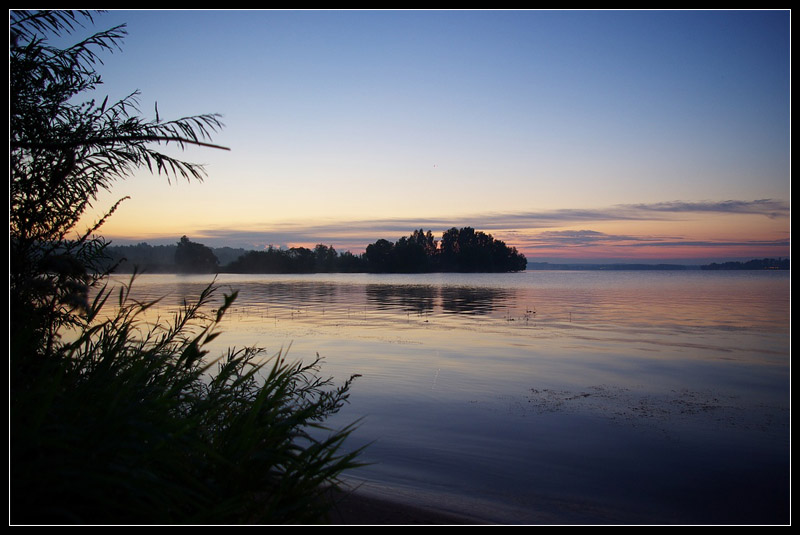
(638, 136)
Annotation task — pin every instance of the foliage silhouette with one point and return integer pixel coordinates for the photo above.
(141, 429)
(763, 263)
(192, 257)
(62, 154)
(460, 250)
(322, 259)
(113, 418)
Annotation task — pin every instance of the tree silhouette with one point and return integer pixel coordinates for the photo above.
(124, 421)
(460, 250)
(191, 257)
(379, 255)
(324, 259)
(449, 250)
(301, 260)
(63, 152)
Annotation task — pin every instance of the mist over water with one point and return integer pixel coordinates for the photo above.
(543, 397)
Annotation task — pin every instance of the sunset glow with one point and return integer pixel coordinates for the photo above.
(619, 135)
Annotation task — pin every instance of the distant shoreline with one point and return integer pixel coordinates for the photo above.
(534, 267)
(752, 265)
(161, 259)
(546, 266)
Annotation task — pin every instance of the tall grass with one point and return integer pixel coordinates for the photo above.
(133, 422)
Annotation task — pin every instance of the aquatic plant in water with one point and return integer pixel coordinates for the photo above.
(112, 419)
(134, 423)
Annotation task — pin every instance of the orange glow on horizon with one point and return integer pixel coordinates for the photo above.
(665, 237)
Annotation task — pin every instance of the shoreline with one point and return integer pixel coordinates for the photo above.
(371, 503)
(363, 502)
(361, 509)
(354, 509)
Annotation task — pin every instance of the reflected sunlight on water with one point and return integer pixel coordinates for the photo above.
(632, 393)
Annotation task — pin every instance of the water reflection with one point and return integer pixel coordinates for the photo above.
(545, 382)
(473, 300)
(417, 299)
(292, 292)
(426, 299)
(649, 307)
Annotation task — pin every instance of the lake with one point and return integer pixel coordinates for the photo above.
(544, 397)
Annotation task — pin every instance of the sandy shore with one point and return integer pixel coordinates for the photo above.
(374, 504)
(363, 509)
(359, 509)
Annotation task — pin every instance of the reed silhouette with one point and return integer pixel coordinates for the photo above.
(114, 419)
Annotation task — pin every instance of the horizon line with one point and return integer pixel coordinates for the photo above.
(532, 260)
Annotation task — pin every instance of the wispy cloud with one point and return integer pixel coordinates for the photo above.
(556, 238)
(362, 232)
(766, 207)
(532, 232)
(591, 238)
(640, 212)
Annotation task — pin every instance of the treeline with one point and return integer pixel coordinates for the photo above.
(322, 259)
(459, 250)
(764, 263)
(186, 255)
(546, 266)
(192, 257)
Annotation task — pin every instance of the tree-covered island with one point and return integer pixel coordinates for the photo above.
(464, 250)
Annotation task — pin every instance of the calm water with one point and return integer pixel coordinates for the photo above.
(545, 397)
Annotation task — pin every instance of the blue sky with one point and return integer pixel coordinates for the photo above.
(641, 135)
